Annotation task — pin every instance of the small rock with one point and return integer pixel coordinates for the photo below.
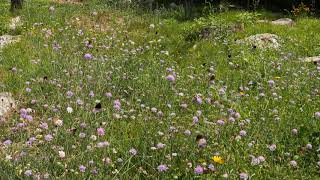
(7, 39)
(283, 21)
(51, 9)
(7, 103)
(15, 22)
(315, 59)
(173, 5)
(262, 41)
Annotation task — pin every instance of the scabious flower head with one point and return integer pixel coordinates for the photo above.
(293, 163)
(199, 100)
(133, 152)
(220, 122)
(237, 115)
(58, 122)
(117, 104)
(272, 147)
(108, 94)
(261, 158)
(48, 137)
(93, 137)
(28, 117)
(202, 142)
(69, 94)
(244, 176)
(82, 135)
(43, 126)
(187, 132)
(69, 109)
(184, 105)
(88, 56)
(82, 168)
(100, 131)
(14, 69)
(79, 102)
(195, 119)
(103, 144)
(23, 111)
(152, 26)
(211, 167)
(51, 9)
(317, 115)
(255, 161)
(309, 146)
(7, 142)
(231, 119)
(199, 170)
(271, 83)
(170, 78)
(28, 89)
(161, 146)
(91, 94)
(243, 133)
(294, 131)
(162, 168)
(154, 109)
(28, 173)
(62, 154)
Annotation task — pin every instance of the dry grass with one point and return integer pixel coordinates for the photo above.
(68, 1)
(101, 22)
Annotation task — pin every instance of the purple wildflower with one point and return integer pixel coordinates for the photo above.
(198, 170)
(162, 168)
(244, 176)
(48, 137)
(82, 168)
(272, 147)
(243, 133)
(171, 78)
(293, 163)
(28, 173)
(133, 152)
(100, 131)
(7, 142)
(88, 56)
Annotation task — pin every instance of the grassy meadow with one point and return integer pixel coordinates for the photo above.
(110, 93)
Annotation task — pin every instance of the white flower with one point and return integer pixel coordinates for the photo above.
(93, 137)
(8, 157)
(51, 9)
(62, 154)
(152, 26)
(58, 122)
(69, 109)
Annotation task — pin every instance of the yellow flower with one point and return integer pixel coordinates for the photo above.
(218, 159)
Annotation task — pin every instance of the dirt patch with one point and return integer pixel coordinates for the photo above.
(68, 1)
(100, 22)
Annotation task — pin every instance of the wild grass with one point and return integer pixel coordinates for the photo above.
(259, 96)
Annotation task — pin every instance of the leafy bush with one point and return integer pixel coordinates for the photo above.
(301, 10)
(204, 28)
